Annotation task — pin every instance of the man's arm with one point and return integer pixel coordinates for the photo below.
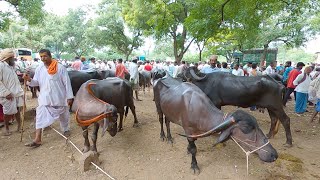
(3, 90)
(298, 78)
(67, 83)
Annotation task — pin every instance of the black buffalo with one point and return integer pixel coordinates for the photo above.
(262, 91)
(91, 110)
(117, 92)
(145, 80)
(200, 118)
(77, 78)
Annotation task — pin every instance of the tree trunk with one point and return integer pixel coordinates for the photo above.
(200, 55)
(264, 55)
(127, 56)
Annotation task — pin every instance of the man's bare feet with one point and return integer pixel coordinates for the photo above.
(6, 133)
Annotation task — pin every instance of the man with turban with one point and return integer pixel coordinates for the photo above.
(11, 93)
(54, 97)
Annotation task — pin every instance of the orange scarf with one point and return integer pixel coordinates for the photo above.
(53, 67)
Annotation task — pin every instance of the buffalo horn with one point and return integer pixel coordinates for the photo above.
(196, 77)
(105, 126)
(224, 125)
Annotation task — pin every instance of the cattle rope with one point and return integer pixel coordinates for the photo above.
(248, 152)
(68, 140)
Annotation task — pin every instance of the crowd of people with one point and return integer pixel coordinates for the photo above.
(56, 93)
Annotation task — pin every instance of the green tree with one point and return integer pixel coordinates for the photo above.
(75, 29)
(109, 30)
(160, 19)
(31, 10)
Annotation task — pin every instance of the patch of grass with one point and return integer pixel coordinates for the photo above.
(289, 157)
(295, 167)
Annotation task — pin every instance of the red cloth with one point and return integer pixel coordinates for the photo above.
(1, 113)
(148, 67)
(121, 70)
(292, 76)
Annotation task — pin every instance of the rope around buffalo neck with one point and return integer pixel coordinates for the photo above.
(249, 152)
(68, 140)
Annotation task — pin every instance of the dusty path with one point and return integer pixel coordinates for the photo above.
(138, 153)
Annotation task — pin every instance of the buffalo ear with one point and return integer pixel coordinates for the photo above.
(224, 135)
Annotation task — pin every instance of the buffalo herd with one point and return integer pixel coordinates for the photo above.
(192, 101)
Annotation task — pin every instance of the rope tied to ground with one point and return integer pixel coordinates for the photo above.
(248, 152)
(68, 140)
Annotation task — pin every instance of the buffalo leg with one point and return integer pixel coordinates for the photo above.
(162, 136)
(192, 148)
(94, 137)
(273, 124)
(133, 110)
(86, 139)
(170, 140)
(121, 112)
(34, 92)
(285, 121)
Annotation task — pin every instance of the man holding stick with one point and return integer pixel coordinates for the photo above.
(54, 97)
(10, 90)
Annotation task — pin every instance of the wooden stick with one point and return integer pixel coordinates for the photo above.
(23, 107)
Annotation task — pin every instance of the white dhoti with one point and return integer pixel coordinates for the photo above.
(46, 115)
(10, 106)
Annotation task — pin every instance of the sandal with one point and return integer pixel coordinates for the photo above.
(33, 144)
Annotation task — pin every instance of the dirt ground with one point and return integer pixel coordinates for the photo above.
(138, 153)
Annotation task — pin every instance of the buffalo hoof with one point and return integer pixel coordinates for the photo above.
(85, 149)
(287, 145)
(162, 137)
(135, 125)
(195, 169)
(120, 129)
(269, 136)
(170, 140)
(94, 149)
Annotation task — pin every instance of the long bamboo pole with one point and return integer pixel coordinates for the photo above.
(23, 108)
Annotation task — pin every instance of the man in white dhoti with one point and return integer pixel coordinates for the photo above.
(55, 95)
(11, 92)
(134, 77)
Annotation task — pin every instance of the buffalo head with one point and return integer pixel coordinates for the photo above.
(110, 122)
(243, 128)
(246, 132)
(191, 74)
(157, 74)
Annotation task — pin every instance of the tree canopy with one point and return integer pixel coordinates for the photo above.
(31, 10)
(120, 26)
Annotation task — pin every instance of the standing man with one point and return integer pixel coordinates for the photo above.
(237, 71)
(302, 82)
(271, 68)
(55, 95)
(290, 86)
(11, 93)
(213, 65)
(121, 70)
(134, 77)
(287, 69)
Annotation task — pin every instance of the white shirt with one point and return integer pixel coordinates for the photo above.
(54, 89)
(238, 72)
(270, 70)
(134, 73)
(34, 64)
(112, 65)
(225, 70)
(304, 86)
(9, 82)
